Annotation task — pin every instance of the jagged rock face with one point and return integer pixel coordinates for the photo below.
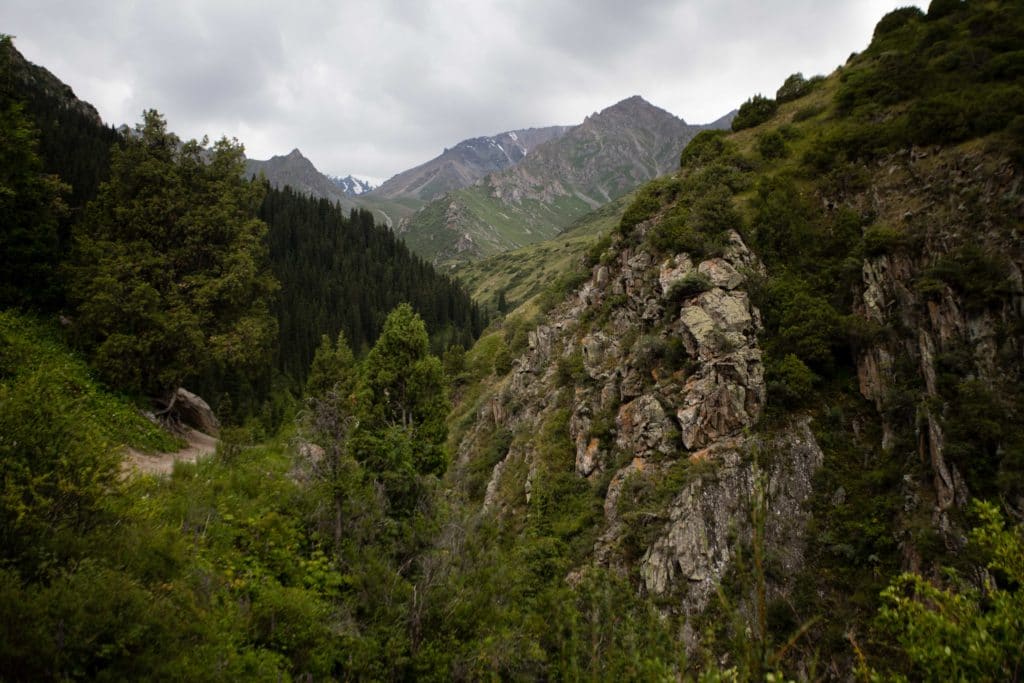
(695, 549)
(630, 405)
(926, 195)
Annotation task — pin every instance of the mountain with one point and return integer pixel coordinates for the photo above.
(603, 158)
(465, 163)
(297, 172)
(352, 186)
(788, 383)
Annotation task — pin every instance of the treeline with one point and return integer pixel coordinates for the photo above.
(343, 273)
(337, 272)
(54, 156)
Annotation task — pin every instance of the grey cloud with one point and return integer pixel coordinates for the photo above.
(377, 86)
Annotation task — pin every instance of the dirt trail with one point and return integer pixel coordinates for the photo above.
(199, 446)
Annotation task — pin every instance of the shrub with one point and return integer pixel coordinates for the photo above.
(706, 146)
(808, 112)
(771, 145)
(570, 370)
(942, 118)
(692, 283)
(790, 381)
(754, 112)
(649, 200)
(938, 9)
(961, 632)
(795, 87)
(597, 250)
(981, 278)
(893, 77)
(882, 239)
(897, 19)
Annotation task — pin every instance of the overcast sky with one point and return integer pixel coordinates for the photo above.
(374, 87)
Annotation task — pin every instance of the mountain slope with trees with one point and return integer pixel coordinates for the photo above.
(768, 428)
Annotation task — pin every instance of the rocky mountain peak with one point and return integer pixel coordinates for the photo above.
(630, 108)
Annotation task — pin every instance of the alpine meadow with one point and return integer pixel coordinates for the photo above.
(633, 399)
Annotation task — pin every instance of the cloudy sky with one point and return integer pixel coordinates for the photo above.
(377, 86)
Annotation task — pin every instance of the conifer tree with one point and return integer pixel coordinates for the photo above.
(169, 268)
(30, 203)
(400, 415)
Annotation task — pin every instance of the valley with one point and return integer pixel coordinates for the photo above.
(633, 399)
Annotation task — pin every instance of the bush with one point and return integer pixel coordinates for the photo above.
(754, 112)
(958, 631)
(649, 200)
(706, 146)
(771, 145)
(692, 283)
(938, 9)
(891, 78)
(790, 381)
(942, 118)
(795, 87)
(897, 19)
(570, 370)
(808, 112)
(981, 278)
(882, 239)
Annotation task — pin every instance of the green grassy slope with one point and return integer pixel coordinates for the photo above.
(522, 273)
(32, 352)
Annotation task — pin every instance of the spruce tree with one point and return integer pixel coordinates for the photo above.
(169, 267)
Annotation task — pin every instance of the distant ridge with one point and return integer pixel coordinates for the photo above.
(608, 155)
(466, 162)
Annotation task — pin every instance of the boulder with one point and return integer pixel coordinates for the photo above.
(194, 412)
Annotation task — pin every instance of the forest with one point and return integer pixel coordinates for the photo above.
(406, 489)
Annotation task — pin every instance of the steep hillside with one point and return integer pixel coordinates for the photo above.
(506, 280)
(465, 163)
(793, 370)
(603, 158)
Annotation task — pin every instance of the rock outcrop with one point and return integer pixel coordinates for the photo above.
(194, 412)
(665, 372)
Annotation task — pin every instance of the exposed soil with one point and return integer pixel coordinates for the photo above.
(199, 446)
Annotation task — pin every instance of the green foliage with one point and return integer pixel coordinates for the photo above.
(960, 631)
(801, 322)
(27, 346)
(570, 371)
(703, 211)
(754, 112)
(795, 87)
(649, 200)
(959, 65)
(170, 273)
(342, 273)
(403, 394)
(790, 382)
(689, 285)
(882, 239)
(808, 112)
(454, 362)
(57, 468)
(897, 19)
(705, 147)
(333, 368)
(31, 203)
(980, 277)
(503, 361)
(771, 145)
